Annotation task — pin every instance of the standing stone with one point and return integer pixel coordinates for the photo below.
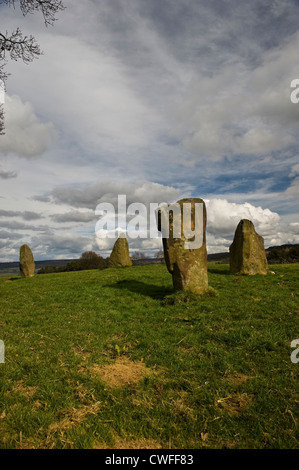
(27, 264)
(247, 252)
(188, 266)
(120, 254)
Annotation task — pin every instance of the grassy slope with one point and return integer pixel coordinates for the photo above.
(219, 369)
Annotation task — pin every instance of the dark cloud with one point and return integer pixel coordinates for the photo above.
(14, 225)
(41, 198)
(231, 29)
(9, 235)
(5, 175)
(29, 215)
(74, 216)
(26, 215)
(4, 244)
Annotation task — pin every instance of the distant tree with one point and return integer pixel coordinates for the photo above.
(90, 260)
(15, 45)
(47, 270)
(72, 266)
(283, 254)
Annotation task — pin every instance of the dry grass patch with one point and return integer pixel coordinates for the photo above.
(80, 352)
(237, 379)
(235, 404)
(181, 407)
(129, 443)
(27, 443)
(37, 405)
(136, 444)
(83, 394)
(144, 401)
(74, 416)
(24, 390)
(122, 372)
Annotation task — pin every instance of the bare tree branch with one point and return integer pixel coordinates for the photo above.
(2, 91)
(16, 46)
(22, 47)
(1, 119)
(49, 8)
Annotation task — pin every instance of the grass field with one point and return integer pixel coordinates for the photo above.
(103, 359)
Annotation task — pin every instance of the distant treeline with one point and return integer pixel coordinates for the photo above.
(283, 254)
(91, 260)
(275, 255)
(88, 260)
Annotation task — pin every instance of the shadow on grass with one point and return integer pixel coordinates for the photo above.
(150, 290)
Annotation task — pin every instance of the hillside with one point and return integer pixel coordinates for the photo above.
(112, 359)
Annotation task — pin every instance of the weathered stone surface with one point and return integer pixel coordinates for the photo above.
(187, 266)
(247, 252)
(119, 256)
(27, 264)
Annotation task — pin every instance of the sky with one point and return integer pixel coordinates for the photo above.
(156, 100)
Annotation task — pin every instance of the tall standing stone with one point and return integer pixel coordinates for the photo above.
(188, 266)
(27, 264)
(247, 252)
(119, 256)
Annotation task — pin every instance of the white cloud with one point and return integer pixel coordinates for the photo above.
(48, 245)
(25, 135)
(257, 141)
(223, 217)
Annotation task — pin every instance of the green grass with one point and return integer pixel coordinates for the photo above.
(218, 372)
